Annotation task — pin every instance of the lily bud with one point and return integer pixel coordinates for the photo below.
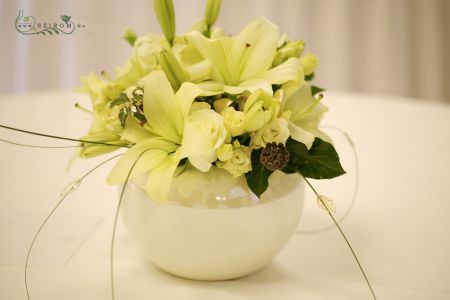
(175, 72)
(130, 36)
(88, 150)
(212, 12)
(291, 49)
(166, 17)
(310, 63)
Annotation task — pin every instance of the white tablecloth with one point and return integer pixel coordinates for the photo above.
(399, 225)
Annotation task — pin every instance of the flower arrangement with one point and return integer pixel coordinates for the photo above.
(207, 99)
(204, 100)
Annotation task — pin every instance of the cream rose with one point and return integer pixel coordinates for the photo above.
(204, 133)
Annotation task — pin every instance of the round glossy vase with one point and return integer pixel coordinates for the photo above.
(213, 227)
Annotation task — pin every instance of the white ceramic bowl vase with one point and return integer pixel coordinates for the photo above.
(214, 227)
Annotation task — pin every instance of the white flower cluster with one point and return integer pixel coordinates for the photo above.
(203, 98)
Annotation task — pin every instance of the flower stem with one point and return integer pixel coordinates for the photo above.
(60, 137)
(343, 236)
(62, 197)
(113, 237)
(37, 146)
(356, 182)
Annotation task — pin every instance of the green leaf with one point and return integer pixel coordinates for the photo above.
(258, 177)
(299, 152)
(140, 117)
(320, 162)
(309, 77)
(123, 117)
(315, 90)
(324, 164)
(120, 100)
(138, 93)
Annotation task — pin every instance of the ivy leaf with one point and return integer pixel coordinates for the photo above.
(299, 152)
(315, 90)
(258, 177)
(320, 162)
(324, 164)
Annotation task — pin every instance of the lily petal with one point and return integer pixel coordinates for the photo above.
(305, 109)
(253, 50)
(160, 107)
(290, 70)
(250, 85)
(200, 71)
(189, 91)
(136, 133)
(160, 179)
(203, 163)
(156, 150)
(319, 133)
(215, 51)
(91, 150)
(301, 135)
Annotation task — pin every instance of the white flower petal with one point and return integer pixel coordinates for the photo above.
(250, 85)
(136, 133)
(160, 107)
(301, 135)
(253, 50)
(189, 91)
(290, 70)
(203, 163)
(160, 179)
(155, 152)
(215, 51)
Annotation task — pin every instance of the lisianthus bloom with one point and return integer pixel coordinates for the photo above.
(277, 132)
(258, 109)
(244, 63)
(239, 162)
(171, 134)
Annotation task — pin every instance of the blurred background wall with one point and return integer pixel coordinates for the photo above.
(398, 47)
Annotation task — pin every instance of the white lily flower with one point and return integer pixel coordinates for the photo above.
(244, 63)
(305, 114)
(160, 151)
